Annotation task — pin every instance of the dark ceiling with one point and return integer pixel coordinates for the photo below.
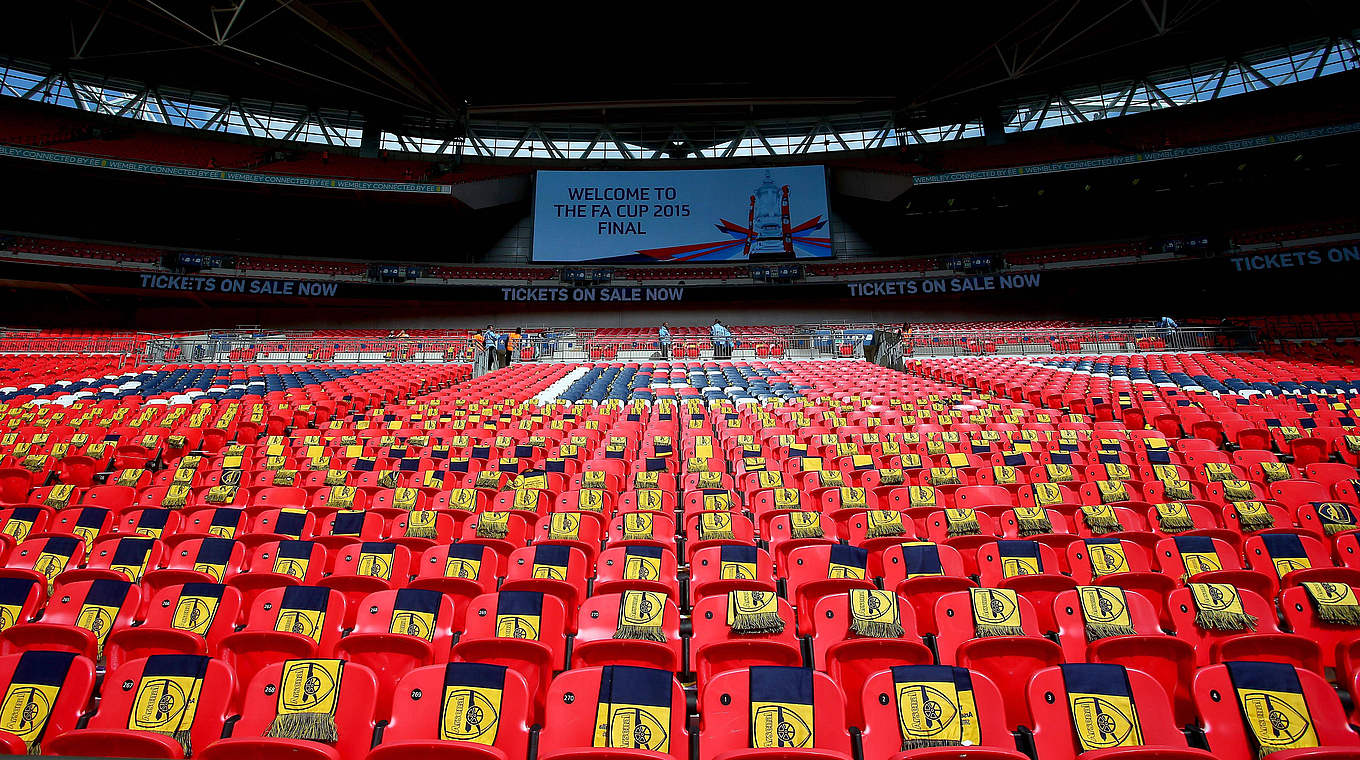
(414, 59)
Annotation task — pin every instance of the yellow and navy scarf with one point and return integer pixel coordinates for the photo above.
(1218, 607)
(167, 696)
(225, 521)
(1253, 515)
(1273, 708)
(961, 522)
(737, 562)
(996, 612)
(1019, 557)
(1059, 473)
(57, 552)
(464, 561)
(642, 563)
(847, 562)
(1112, 491)
(213, 556)
(32, 691)
(633, 710)
(874, 614)
(884, 522)
(1106, 556)
(130, 557)
(921, 558)
(1101, 519)
(805, 524)
(1032, 521)
(714, 526)
(1046, 494)
(303, 611)
(471, 706)
(639, 526)
(293, 558)
(414, 613)
(551, 561)
(754, 612)
(1174, 517)
(649, 499)
(100, 609)
(519, 614)
(309, 691)
(935, 707)
(1334, 516)
(1198, 555)
(196, 608)
(493, 525)
(1100, 702)
(564, 526)
(13, 593)
(151, 522)
(1275, 471)
(640, 616)
(1105, 611)
(1286, 553)
(375, 560)
(220, 494)
(59, 496)
(782, 707)
(20, 522)
(176, 496)
(1334, 603)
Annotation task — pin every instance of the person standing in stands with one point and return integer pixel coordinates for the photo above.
(1169, 328)
(489, 338)
(512, 344)
(663, 339)
(722, 340)
(502, 349)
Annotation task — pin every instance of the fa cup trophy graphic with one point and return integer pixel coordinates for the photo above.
(770, 236)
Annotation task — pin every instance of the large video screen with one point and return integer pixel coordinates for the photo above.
(629, 217)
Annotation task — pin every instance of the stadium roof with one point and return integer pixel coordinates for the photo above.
(667, 80)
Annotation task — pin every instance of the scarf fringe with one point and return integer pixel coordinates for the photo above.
(317, 727)
(640, 632)
(1175, 524)
(984, 631)
(1097, 631)
(1338, 614)
(880, 530)
(1251, 522)
(492, 531)
(1219, 620)
(811, 531)
(758, 622)
(968, 527)
(910, 744)
(876, 629)
(1031, 526)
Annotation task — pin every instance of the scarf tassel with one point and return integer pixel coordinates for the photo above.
(877, 629)
(312, 726)
(1030, 526)
(758, 622)
(1220, 620)
(640, 632)
(1097, 631)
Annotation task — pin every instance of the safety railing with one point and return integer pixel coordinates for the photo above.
(1130, 339)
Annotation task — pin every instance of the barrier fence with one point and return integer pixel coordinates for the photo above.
(884, 346)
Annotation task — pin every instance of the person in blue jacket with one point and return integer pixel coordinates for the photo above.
(663, 340)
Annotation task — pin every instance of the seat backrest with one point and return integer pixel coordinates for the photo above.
(304, 560)
(895, 569)
(424, 614)
(225, 522)
(157, 697)
(552, 562)
(478, 703)
(1258, 551)
(473, 562)
(954, 617)
(361, 524)
(1225, 729)
(312, 611)
(354, 719)
(832, 619)
(1067, 611)
(632, 696)
(1094, 558)
(101, 605)
(291, 522)
(207, 609)
(519, 615)
(710, 626)
(132, 556)
(374, 559)
(772, 706)
(745, 565)
(883, 703)
(997, 560)
(1173, 563)
(73, 674)
(220, 558)
(1181, 604)
(601, 613)
(1075, 695)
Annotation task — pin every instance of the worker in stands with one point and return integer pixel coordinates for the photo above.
(722, 340)
(489, 338)
(663, 339)
(1169, 328)
(512, 342)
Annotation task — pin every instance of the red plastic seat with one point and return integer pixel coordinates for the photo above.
(1055, 692)
(792, 712)
(643, 567)
(363, 568)
(189, 619)
(718, 570)
(1230, 739)
(817, 571)
(850, 658)
(882, 734)
(280, 563)
(119, 558)
(1266, 642)
(1006, 660)
(523, 630)
(598, 643)
(479, 728)
(354, 719)
(462, 572)
(1336, 641)
(570, 731)
(397, 631)
(902, 572)
(715, 648)
(1169, 660)
(128, 690)
(290, 623)
(74, 677)
(79, 617)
